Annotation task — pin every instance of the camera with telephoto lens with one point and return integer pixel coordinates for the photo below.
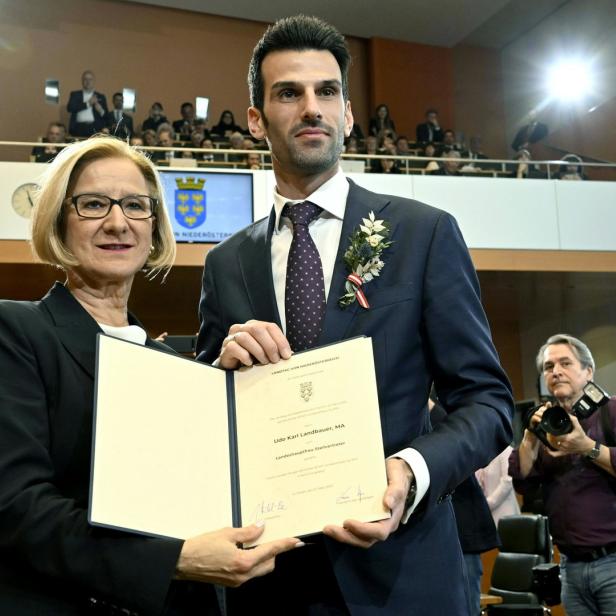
(555, 420)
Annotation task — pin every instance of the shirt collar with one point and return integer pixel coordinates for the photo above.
(331, 196)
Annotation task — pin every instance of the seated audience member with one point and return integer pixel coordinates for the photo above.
(449, 142)
(253, 161)
(184, 126)
(120, 124)
(56, 133)
(530, 133)
(372, 147)
(87, 107)
(577, 473)
(474, 152)
(451, 166)
(402, 146)
(429, 131)
(249, 144)
(431, 152)
(52, 562)
(497, 486)
(236, 142)
(523, 169)
(388, 165)
(573, 171)
(381, 122)
(196, 137)
(155, 119)
(135, 141)
(164, 139)
(387, 144)
(226, 125)
(208, 144)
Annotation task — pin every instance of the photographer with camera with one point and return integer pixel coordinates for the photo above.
(570, 447)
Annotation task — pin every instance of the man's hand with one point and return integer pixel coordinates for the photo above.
(575, 442)
(253, 342)
(215, 558)
(366, 534)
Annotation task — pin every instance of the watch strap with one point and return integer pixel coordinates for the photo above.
(593, 454)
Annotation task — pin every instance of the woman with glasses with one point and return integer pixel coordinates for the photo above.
(100, 217)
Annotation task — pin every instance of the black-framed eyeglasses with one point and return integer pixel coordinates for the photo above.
(91, 205)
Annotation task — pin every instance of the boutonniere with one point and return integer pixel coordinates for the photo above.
(363, 259)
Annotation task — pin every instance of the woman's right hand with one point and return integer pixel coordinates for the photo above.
(216, 558)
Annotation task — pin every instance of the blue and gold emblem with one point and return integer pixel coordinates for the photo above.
(190, 202)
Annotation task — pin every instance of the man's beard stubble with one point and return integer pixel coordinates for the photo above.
(312, 160)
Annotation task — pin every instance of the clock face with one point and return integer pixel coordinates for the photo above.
(23, 199)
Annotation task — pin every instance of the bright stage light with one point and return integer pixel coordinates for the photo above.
(570, 80)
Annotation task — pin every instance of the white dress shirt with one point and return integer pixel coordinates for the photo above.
(86, 116)
(325, 231)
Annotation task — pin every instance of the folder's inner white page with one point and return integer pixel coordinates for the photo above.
(161, 461)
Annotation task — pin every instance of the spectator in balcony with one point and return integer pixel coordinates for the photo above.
(388, 165)
(164, 139)
(208, 156)
(56, 133)
(523, 169)
(431, 152)
(87, 107)
(430, 130)
(184, 126)
(372, 147)
(136, 142)
(155, 118)
(572, 171)
(402, 146)
(449, 142)
(236, 142)
(253, 161)
(475, 153)
(119, 123)
(530, 133)
(226, 125)
(451, 166)
(381, 122)
(387, 144)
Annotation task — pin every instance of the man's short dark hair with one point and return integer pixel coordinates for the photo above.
(431, 110)
(117, 94)
(297, 33)
(187, 104)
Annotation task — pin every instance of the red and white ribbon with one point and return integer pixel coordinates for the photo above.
(356, 281)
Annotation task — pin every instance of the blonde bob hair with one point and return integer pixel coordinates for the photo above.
(48, 229)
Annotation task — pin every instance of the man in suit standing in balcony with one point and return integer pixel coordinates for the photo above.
(87, 107)
(422, 312)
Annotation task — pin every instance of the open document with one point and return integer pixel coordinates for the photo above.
(181, 448)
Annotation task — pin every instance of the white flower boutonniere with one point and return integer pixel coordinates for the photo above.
(363, 259)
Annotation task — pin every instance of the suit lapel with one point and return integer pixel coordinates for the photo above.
(255, 261)
(360, 203)
(75, 327)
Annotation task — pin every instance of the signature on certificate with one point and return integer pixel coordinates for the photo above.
(353, 493)
(268, 507)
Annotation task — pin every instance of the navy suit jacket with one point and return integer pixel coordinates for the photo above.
(51, 561)
(427, 324)
(75, 105)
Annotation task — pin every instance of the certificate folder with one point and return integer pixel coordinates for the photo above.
(181, 448)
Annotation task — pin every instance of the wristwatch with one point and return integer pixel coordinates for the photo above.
(593, 454)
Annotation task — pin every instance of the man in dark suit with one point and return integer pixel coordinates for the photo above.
(429, 131)
(119, 123)
(87, 107)
(424, 317)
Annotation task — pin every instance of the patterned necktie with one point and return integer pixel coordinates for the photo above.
(304, 300)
